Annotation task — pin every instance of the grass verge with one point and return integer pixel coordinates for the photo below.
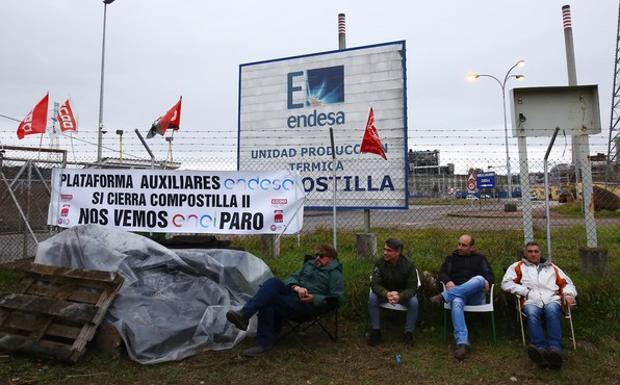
(573, 209)
(350, 361)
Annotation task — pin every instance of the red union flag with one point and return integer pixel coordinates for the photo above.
(172, 119)
(371, 143)
(36, 120)
(66, 120)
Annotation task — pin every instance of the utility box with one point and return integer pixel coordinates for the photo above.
(537, 111)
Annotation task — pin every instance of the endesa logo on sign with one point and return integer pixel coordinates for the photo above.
(259, 183)
(315, 88)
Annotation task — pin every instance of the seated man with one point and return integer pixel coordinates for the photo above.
(541, 286)
(468, 277)
(394, 280)
(303, 291)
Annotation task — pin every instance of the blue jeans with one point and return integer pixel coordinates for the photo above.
(552, 312)
(274, 302)
(375, 319)
(468, 293)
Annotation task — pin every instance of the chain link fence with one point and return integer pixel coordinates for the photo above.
(24, 198)
(427, 196)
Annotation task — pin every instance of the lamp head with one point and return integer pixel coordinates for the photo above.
(473, 77)
(520, 77)
(520, 63)
(106, 2)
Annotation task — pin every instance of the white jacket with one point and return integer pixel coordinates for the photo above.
(538, 283)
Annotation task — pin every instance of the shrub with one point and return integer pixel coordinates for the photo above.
(605, 199)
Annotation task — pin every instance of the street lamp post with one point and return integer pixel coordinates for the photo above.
(100, 127)
(502, 85)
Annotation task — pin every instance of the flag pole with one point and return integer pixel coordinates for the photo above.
(40, 146)
(45, 125)
(367, 211)
(331, 138)
(169, 139)
(72, 148)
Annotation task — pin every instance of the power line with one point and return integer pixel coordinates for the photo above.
(10, 118)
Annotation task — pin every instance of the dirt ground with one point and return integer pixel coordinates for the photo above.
(320, 361)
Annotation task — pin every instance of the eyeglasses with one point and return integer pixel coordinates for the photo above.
(320, 256)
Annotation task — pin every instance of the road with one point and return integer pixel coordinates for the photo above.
(474, 216)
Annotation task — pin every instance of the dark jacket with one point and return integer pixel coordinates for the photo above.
(400, 277)
(322, 282)
(460, 269)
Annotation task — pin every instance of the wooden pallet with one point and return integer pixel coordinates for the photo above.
(55, 311)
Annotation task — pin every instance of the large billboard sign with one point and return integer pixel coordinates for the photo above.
(286, 107)
(178, 201)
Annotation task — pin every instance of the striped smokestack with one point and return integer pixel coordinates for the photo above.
(568, 42)
(572, 73)
(581, 143)
(566, 17)
(342, 32)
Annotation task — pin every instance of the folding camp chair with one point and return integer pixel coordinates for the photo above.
(484, 308)
(566, 308)
(321, 317)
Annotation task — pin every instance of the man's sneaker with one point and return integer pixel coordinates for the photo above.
(537, 355)
(461, 352)
(554, 358)
(408, 339)
(238, 319)
(254, 351)
(374, 338)
(437, 299)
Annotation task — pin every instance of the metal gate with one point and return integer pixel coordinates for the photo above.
(24, 198)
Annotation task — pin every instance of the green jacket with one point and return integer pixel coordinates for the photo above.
(322, 282)
(400, 277)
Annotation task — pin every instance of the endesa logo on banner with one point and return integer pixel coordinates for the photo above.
(204, 221)
(258, 183)
(315, 88)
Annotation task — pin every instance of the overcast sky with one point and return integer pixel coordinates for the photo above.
(157, 50)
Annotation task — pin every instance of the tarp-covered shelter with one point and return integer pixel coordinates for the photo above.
(172, 303)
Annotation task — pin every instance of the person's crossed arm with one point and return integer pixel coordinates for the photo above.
(303, 294)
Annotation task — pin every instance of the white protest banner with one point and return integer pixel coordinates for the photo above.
(178, 201)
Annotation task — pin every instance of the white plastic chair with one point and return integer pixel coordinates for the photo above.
(484, 308)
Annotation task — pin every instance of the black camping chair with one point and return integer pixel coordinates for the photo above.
(322, 316)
